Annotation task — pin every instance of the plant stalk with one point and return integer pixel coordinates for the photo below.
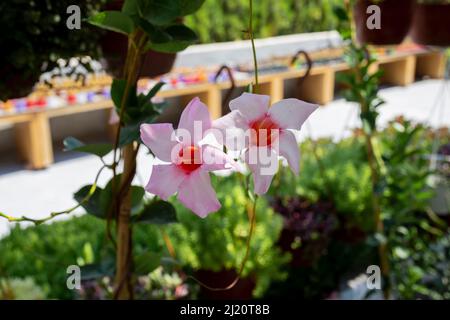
(123, 278)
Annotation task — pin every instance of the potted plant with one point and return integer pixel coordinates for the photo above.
(307, 228)
(430, 24)
(396, 17)
(157, 60)
(440, 203)
(226, 231)
(34, 36)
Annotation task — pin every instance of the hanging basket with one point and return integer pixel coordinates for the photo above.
(114, 47)
(431, 24)
(396, 19)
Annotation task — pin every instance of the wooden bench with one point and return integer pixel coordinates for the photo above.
(33, 134)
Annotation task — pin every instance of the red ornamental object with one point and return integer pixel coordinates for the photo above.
(395, 17)
(431, 24)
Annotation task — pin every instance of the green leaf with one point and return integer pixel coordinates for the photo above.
(182, 36)
(95, 205)
(113, 20)
(190, 6)
(105, 268)
(130, 7)
(160, 12)
(132, 132)
(153, 91)
(340, 13)
(100, 149)
(146, 262)
(157, 212)
(155, 34)
(137, 195)
(118, 90)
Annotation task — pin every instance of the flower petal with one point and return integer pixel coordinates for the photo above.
(215, 159)
(165, 180)
(291, 113)
(251, 106)
(288, 148)
(160, 139)
(197, 194)
(230, 130)
(263, 162)
(195, 119)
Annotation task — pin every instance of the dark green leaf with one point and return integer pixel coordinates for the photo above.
(99, 270)
(113, 20)
(137, 194)
(160, 12)
(190, 6)
(155, 34)
(153, 91)
(95, 205)
(181, 36)
(132, 132)
(340, 13)
(118, 90)
(130, 7)
(100, 149)
(157, 212)
(146, 262)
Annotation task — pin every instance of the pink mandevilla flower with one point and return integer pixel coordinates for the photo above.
(187, 168)
(269, 134)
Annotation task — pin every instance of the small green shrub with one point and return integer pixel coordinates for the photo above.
(226, 20)
(219, 241)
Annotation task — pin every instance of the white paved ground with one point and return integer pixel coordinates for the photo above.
(37, 193)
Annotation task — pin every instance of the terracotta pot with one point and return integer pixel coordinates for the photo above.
(243, 290)
(396, 18)
(115, 45)
(431, 24)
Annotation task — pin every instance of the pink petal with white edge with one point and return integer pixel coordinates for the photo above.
(263, 171)
(291, 113)
(197, 194)
(288, 148)
(195, 115)
(215, 159)
(160, 139)
(251, 106)
(165, 180)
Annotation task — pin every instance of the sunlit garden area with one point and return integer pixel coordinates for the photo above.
(225, 150)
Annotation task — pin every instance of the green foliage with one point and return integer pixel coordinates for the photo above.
(113, 20)
(156, 212)
(44, 252)
(362, 84)
(99, 204)
(160, 21)
(418, 240)
(73, 144)
(219, 241)
(226, 20)
(139, 109)
(20, 289)
(34, 36)
(342, 176)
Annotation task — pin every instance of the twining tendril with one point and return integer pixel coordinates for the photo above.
(57, 213)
